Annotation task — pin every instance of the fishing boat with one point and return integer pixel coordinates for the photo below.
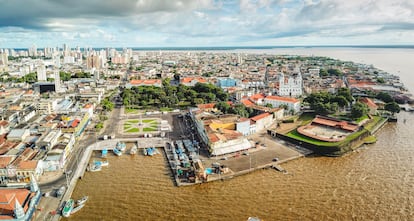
(117, 152)
(104, 163)
(101, 163)
(76, 209)
(82, 200)
(67, 209)
(134, 150)
(150, 151)
(120, 146)
(95, 167)
(104, 153)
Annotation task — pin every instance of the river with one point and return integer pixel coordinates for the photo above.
(376, 182)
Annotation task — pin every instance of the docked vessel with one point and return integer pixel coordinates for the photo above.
(104, 153)
(95, 167)
(133, 150)
(150, 151)
(67, 209)
(120, 146)
(117, 152)
(101, 163)
(82, 200)
(77, 208)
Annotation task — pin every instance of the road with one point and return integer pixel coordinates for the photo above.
(85, 140)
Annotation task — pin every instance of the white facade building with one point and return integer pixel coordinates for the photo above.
(41, 73)
(276, 101)
(290, 86)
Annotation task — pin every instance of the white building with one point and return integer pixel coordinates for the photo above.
(47, 106)
(290, 86)
(41, 73)
(276, 101)
(56, 74)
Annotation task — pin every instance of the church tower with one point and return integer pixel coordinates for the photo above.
(18, 210)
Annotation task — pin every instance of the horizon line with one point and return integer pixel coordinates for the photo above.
(238, 47)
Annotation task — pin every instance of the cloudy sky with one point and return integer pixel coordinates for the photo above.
(175, 23)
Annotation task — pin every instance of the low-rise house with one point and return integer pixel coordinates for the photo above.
(18, 134)
(192, 81)
(49, 139)
(262, 121)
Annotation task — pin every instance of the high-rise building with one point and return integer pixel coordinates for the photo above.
(41, 73)
(93, 61)
(33, 50)
(57, 80)
(4, 58)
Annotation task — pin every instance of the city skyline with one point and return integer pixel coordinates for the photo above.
(205, 23)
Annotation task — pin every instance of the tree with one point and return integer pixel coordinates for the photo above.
(358, 110)
(340, 100)
(222, 106)
(346, 93)
(380, 80)
(177, 77)
(384, 97)
(269, 105)
(323, 73)
(392, 107)
(335, 72)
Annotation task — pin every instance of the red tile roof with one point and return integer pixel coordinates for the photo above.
(336, 123)
(8, 199)
(189, 79)
(4, 123)
(260, 116)
(256, 97)
(247, 103)
(28, 165)
(284, 99)
(146, 82)
(5, 160)
(368, 102)
(206, 106)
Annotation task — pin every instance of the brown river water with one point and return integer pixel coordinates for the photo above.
(376, 182)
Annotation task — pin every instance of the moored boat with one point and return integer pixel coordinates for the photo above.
(101, 163)
(120, 146)
(104, 163)
(104, 153)
(76, 209)
(82, 200)
(117, 152)
(95, 167)
(134, 150)
(150, 151)
(67, 209)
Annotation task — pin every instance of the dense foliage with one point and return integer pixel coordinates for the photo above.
(327, 103)
(238, 109)
(358, 110)
(172, 96)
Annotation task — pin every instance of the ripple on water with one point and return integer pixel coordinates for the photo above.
(375, 183)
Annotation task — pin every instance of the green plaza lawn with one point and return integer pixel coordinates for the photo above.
(140, 125)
